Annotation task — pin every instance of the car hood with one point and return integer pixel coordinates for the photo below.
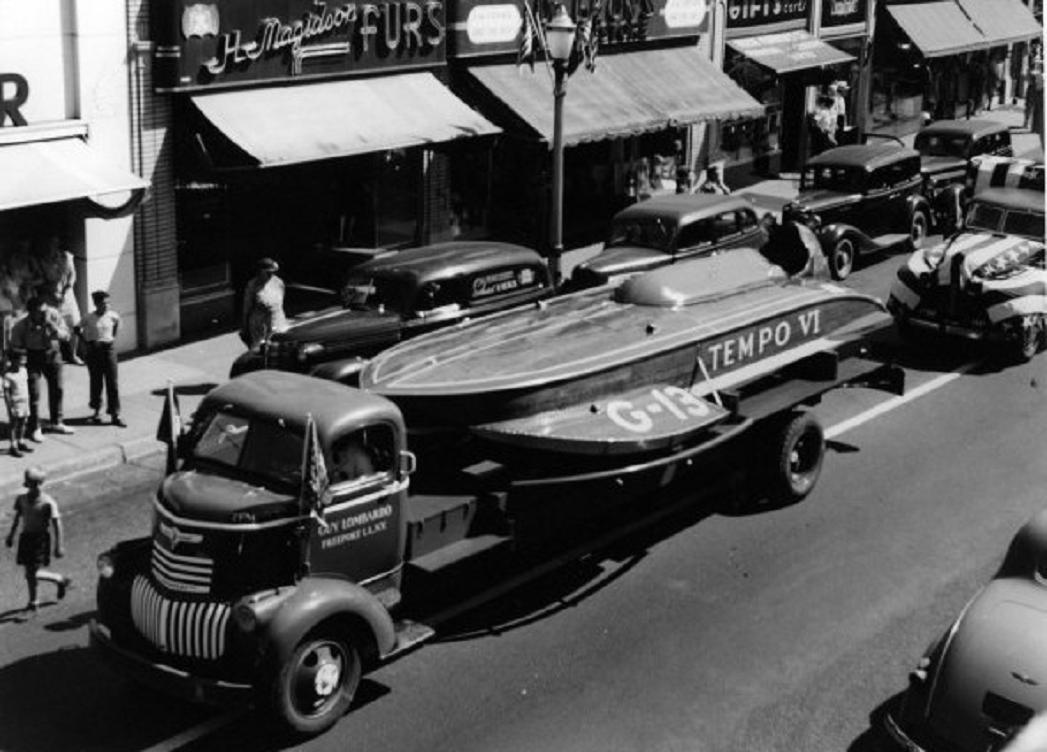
(340, 325)
(820, 200)
(995, 663)
(623, 259)
(936, 165)
(210, 497)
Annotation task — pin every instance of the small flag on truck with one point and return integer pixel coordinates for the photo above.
(170, 426)
(314, 492)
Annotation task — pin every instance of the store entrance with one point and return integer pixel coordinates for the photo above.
(794, 115)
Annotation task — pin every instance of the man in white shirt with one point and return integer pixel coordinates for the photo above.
(100, 328)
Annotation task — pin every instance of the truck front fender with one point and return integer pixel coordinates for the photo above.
(324, 599)
(344, 371)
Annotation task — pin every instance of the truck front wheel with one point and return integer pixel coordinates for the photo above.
(798, 451)
(316, 684)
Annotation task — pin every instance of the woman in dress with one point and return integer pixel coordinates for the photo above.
(263, 310)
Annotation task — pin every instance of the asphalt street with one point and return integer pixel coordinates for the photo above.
(787, 629)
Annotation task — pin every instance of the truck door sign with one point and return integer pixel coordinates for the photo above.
(355, 527)
(750, 344)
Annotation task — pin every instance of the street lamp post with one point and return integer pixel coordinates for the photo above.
(559, 34)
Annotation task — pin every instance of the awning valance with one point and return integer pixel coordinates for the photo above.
(1002, 21)
(789, 51)
(64, 169)
(629, 93)
(292, 124)
(938, 28)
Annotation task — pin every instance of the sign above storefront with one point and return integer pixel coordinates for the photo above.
(843, 12)
(14, 91)
(483, 27)
(744, 14)
(207, 45)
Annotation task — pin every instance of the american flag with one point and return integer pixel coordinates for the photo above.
(170, 426)
(528, 35)
(314, 492)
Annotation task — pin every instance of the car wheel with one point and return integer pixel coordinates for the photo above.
(1031, 338)
(918, 228)
(799, 448)
(315, 685)
(841, 259)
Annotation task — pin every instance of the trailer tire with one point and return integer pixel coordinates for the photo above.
(315, 685)
(799, 449)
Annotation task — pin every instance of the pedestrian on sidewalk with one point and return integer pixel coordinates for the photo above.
(16, 397)
(57, 291)
(100, 328)
(263, 306)
(41, 333)
(38, 514)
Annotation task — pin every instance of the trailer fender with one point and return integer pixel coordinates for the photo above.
(345, 371)
(319, 599)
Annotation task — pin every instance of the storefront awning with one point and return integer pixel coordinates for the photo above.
(629, 93)
(292, 124)
(65, 169)
(788, 51)
(939, 28)
(1002, 21)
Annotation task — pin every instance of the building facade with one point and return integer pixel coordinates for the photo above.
(65, 152)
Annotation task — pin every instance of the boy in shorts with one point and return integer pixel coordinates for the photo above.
(38, 513)
(16, 397)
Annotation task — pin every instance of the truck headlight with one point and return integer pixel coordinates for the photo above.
(245, 617)
(106, 567)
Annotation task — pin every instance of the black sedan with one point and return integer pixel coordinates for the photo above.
(400, 295)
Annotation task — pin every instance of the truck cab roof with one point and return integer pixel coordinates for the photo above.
(292, 397)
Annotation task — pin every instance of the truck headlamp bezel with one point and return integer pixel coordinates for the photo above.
(106, 566)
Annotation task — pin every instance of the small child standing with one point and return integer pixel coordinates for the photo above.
(16, 396)
(38, 513)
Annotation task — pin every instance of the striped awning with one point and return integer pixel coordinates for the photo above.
(939, 28)
(788, 51)
(1002, 21)
(281, 125)
(633, 92)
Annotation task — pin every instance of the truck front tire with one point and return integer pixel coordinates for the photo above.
(315, 685)
(798, 448)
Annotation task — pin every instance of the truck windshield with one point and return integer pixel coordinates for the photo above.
(649, 232)
(833, 178)
(985, 217)
(1026, 224)
(941, 146)
(259, 448)
(375, 293)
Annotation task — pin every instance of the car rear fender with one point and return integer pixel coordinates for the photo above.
(831, 234)
(345, 371)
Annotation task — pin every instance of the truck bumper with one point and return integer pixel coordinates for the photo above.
(167, 679)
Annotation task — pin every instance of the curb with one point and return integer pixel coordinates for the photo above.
(70, 468)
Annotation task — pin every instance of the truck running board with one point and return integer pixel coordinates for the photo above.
(409, 634)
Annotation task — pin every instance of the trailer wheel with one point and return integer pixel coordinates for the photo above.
(841, 258)
(799, 448)
(315, 685)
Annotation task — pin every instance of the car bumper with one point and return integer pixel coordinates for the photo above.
(955, 328)
(167, 679)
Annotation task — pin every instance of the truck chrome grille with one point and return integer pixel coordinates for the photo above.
(192, 629)
(186, 574)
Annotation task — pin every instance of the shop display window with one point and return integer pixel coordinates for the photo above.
(744, 140)
(399, 200)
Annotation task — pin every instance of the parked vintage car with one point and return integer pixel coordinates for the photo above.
(947, 148)
(988, 282)
(399, 295)
(861, 199)
(981, 681)
(666, 229)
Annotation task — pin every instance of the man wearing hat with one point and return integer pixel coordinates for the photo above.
(263, 309)
(38, 515)
(100, 328)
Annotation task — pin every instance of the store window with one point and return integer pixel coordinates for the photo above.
(399, 202)
(744, 140)
(470, 171)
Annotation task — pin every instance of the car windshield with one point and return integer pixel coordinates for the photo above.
(984, 217)
(375, 293)
(260, 448)
(647, 232)
(931, 145)
(1026, 224)
(833, 178)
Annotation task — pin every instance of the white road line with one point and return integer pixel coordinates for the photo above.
(894, 402)
(192, 734)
